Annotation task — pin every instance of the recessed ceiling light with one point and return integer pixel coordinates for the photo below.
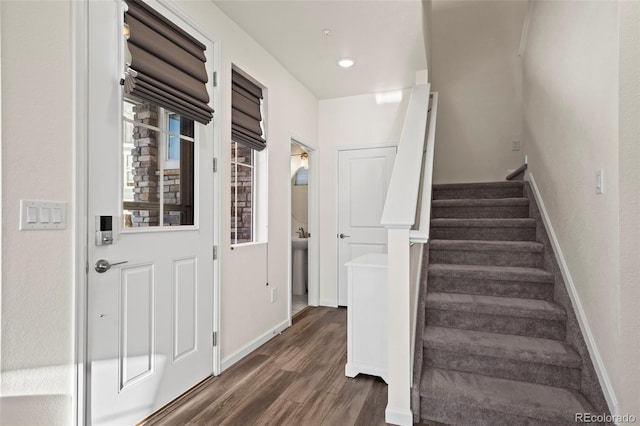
(346, 62)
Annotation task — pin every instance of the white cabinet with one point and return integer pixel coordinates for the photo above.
(367, 316)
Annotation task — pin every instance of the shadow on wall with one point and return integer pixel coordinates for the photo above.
(35, 410)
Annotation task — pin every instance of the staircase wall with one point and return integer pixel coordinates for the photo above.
(590, 385)
(571, 119)
(475, 66)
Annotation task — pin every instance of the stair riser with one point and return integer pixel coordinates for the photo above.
(522, 289)
(506, 212)
(531, 327)
(477, 193)
(544, 374)
(484, 233)
(486, 257)
(452, 412)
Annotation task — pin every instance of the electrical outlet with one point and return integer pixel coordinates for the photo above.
(515, 145)
(274, 294)
(599, 181)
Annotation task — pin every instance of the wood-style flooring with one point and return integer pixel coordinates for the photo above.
(297, 378)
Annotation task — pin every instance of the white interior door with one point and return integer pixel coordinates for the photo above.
(150, 320)
(363, 179)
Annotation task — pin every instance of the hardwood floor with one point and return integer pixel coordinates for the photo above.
(297, 378)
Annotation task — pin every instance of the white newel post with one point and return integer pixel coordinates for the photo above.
(398, 409)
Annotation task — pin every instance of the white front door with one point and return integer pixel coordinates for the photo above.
(363, 179)
(150, 318)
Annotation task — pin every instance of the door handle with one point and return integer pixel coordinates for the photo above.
(103, 265)
(342, 236)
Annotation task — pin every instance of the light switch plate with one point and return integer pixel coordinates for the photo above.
(599, 181)
(35, 214)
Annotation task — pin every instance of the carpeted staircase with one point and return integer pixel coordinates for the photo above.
(495, 349)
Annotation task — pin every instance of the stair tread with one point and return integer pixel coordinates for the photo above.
(504, 395)
(496, 305)
(499, 273)
(505, 346)
(500, 184)
(493, 245)
(484, 223)
(480, 202)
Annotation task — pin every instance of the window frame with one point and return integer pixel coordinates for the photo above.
(162, 140)
(254, 185)
(260, 177)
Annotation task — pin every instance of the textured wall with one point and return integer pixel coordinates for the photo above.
(571, 129)
(37, 291)
(628, 390)
(475, 67)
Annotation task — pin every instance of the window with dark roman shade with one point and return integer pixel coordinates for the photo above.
(167, 64)
(246, 115)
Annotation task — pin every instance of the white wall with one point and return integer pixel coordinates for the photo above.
(475, 67)
(628, 391)
(37, 291)
(571, 124)
(350, 122)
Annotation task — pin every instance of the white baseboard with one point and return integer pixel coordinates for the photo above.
(254, 344)
(603, 377)
(398, 416)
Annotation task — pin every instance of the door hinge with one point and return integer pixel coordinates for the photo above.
(215, 79)
(215, 252)
(215, 164)
(86, 268)
(215, 338)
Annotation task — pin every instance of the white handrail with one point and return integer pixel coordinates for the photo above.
(402, 194)
(421, 235)
(398, 216)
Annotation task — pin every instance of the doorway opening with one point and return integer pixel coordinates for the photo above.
(303, 229)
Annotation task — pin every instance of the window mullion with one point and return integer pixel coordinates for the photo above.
(162, 146)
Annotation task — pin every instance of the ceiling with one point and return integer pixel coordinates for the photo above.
(383, 36)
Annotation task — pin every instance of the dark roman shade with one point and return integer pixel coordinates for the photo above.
(167, 64)
(246, 117)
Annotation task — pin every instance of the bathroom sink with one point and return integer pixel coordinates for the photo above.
(299, 243)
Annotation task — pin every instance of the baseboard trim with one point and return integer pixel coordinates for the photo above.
(398, 416)
(601, 371)
(254, 344)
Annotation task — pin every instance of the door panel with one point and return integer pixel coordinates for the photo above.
(136, 324)
(150, 320)
(363, 179)
(185, 291)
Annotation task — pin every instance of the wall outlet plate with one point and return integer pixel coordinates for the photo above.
(515, 145)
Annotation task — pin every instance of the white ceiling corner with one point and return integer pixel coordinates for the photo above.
(383, 36)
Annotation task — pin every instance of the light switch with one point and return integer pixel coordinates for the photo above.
(36, 214)
(32, 214)
(44, 214)
(56, 215)
(599, 181)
